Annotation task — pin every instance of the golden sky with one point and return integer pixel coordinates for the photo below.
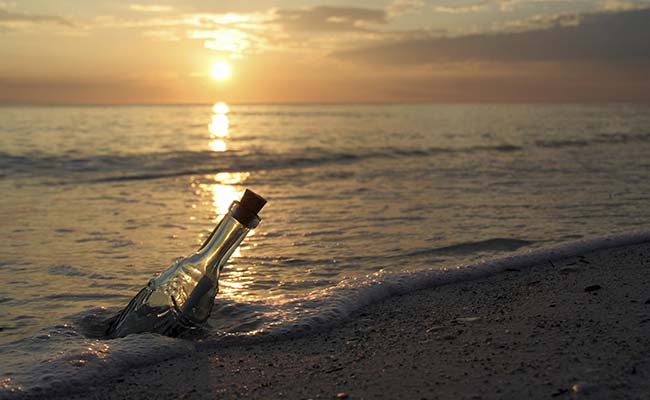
(77, 51)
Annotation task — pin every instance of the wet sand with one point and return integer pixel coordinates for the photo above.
(575, 328)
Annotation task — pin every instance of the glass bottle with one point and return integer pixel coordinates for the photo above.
(181, 298)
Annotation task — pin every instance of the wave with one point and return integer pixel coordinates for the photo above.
(112, 168)
(145, 166)
(74, 361)
(601, 138)
(497, 244)
(326, 307)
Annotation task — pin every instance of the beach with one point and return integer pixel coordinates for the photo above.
(572, 328)
(456, 199)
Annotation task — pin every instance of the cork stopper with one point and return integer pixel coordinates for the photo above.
(252, 201)
(245, 210)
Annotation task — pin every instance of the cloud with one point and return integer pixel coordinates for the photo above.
(231, 34)
(399, 7)
(308, 30)
(618, 5)
(464, 8)
(13, 17)
(473, 6)
(234, 43)
(163, 35)
(591, 37)
(150, 8)
(328, 19)
(541, 22)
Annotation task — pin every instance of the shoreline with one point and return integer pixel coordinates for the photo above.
(573, 328)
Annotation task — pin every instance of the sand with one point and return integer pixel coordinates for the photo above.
(576, 328)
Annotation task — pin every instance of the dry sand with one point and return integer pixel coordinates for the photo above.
(577, 329)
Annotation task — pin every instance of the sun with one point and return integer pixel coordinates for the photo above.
(220, 71)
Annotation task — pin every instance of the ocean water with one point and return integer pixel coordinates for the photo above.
(364, 201)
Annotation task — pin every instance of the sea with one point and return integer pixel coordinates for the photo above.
(364, 202)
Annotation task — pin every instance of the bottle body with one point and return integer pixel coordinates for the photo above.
(181, 298)
(159, 306)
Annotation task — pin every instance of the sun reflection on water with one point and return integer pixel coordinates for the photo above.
(218, 127)
(217, 145)
(227, 187)
(235, 282)
(220, 108)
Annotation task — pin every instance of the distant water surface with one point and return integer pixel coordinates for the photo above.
(97, 200)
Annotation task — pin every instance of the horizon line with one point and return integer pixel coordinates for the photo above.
(332, 103)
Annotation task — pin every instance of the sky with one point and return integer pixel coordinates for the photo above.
(289, 51)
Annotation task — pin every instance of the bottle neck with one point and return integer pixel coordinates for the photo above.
(220, 245)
